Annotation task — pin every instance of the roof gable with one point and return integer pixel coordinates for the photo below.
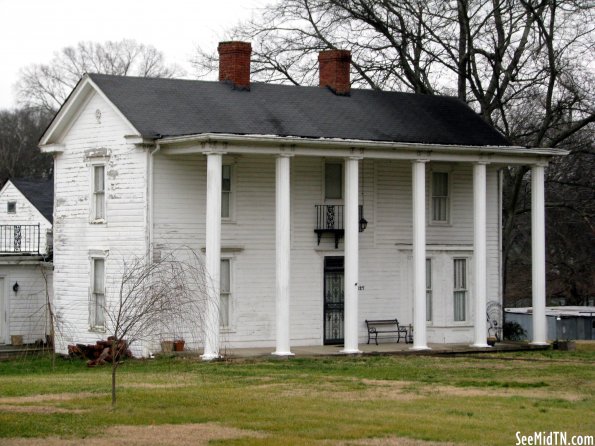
(174, 107)
(40, 193)
(71, 109)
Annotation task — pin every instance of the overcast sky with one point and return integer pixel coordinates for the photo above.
(32, 30)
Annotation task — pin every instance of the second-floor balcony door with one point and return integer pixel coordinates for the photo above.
(334, 300)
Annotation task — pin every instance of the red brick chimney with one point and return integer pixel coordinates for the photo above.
(234, 63)
(334, 70)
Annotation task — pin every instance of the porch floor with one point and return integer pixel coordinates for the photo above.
(381, 349)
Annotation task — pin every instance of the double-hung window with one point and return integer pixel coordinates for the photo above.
(226, 194)
(97, 298)
(428, 290)
(460, 291)
(98, 211)
(333, 181)
(440, 197)
(225, 293)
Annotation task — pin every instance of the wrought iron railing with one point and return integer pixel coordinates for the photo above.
(330, 219)
(20, 239)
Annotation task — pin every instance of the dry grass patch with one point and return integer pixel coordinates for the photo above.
(37, 409)
(164, 434)
(59, 397)
(389, 441)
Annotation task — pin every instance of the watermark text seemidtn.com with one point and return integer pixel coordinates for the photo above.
(553, 438)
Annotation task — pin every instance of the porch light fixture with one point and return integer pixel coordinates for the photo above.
(363, 224)
(15, 287)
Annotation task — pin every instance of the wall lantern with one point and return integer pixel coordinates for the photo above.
(15, 287)
(363, 224)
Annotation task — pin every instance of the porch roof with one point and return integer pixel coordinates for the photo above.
(175, 107)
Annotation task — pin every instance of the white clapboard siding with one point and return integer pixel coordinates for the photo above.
(75, 238)
(385, 247)
(25, 311)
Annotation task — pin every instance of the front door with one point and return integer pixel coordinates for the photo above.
(334, 298)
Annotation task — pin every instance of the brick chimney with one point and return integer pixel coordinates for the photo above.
(334, 71)
(234, 63)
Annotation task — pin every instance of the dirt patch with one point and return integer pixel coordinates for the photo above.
(390, 441)
(373, 390)
(48, 397)
(152, 386)
(504, 392)
(37, 409)
(164, 434)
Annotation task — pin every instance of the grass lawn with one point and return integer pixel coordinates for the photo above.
(475, 399)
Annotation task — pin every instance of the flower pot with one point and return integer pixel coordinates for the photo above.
(167, 346)
(492, 341)
(179, 345)
(16, 340)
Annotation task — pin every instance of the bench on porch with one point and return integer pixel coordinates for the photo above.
(386, 327)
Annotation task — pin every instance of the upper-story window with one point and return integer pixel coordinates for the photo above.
(98, 199)
(440, 197)
(333, 181)
(226, 191)
(11, 207)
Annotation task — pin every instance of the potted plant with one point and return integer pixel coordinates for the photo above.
(179, 345)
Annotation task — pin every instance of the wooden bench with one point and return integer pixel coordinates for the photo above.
(388, 327)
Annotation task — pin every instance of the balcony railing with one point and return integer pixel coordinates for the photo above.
(330, 220)
(20, 239)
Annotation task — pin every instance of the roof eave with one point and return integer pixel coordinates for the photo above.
(358, 144)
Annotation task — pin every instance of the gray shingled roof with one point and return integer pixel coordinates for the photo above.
(39, 192)
(176, 107)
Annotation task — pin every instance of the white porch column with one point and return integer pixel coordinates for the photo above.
(480, 254)
(213, 256)
(419, 255)
(538, 254)
(283, 234)
(351, 255)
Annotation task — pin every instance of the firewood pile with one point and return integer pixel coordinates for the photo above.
(101, 352)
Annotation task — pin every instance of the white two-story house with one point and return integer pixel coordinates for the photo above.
(316, 208)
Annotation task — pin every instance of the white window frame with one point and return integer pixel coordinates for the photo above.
(93, 325)
(429, 294)
(92, 193)
(231, 192)
(448, 197)
(340, 163)
(464, 289)
(230, 302)
(14, 207)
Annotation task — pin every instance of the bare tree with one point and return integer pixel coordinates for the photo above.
(155, 296)
(47, 86)
(526, 66)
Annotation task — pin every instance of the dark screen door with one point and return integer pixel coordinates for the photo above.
(333, 300)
